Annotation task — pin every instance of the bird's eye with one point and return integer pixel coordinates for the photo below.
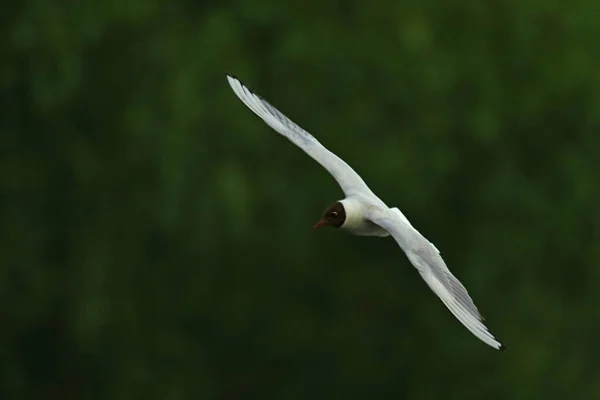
(334, 214)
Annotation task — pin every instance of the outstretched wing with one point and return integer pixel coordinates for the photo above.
(428, 261)
(347, 178)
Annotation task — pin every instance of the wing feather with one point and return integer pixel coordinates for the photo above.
(347, 178)
(432, 268)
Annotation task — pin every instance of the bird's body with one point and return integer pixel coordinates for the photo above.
(362, 213)
(356, 222)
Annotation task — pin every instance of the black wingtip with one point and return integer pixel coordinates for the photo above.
(503, 348)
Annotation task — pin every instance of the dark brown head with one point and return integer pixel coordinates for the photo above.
(334, 215)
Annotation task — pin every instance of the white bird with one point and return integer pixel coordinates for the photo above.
(361, 212)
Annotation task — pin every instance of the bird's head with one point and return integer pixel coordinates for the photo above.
(334, 215)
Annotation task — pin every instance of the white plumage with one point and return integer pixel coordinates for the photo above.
(366, 214)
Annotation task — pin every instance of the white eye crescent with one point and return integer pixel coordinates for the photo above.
(335, 214)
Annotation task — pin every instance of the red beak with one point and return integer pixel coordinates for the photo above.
(320, 224)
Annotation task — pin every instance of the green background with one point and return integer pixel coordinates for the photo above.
(155, 237)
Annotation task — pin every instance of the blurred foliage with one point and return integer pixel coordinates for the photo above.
(155, 234)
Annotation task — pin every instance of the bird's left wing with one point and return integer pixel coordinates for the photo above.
(347, 178)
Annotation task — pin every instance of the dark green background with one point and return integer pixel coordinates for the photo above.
(155, 237)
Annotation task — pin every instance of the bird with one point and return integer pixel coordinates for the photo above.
(362, 213)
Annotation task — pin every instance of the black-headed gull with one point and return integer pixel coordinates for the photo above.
(361, 212)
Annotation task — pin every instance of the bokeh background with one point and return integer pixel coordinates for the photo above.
(155, 234)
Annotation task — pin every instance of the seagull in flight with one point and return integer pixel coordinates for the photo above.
(362, 213)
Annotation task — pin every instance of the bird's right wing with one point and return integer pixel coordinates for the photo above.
(347, 178)
(432, 268)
